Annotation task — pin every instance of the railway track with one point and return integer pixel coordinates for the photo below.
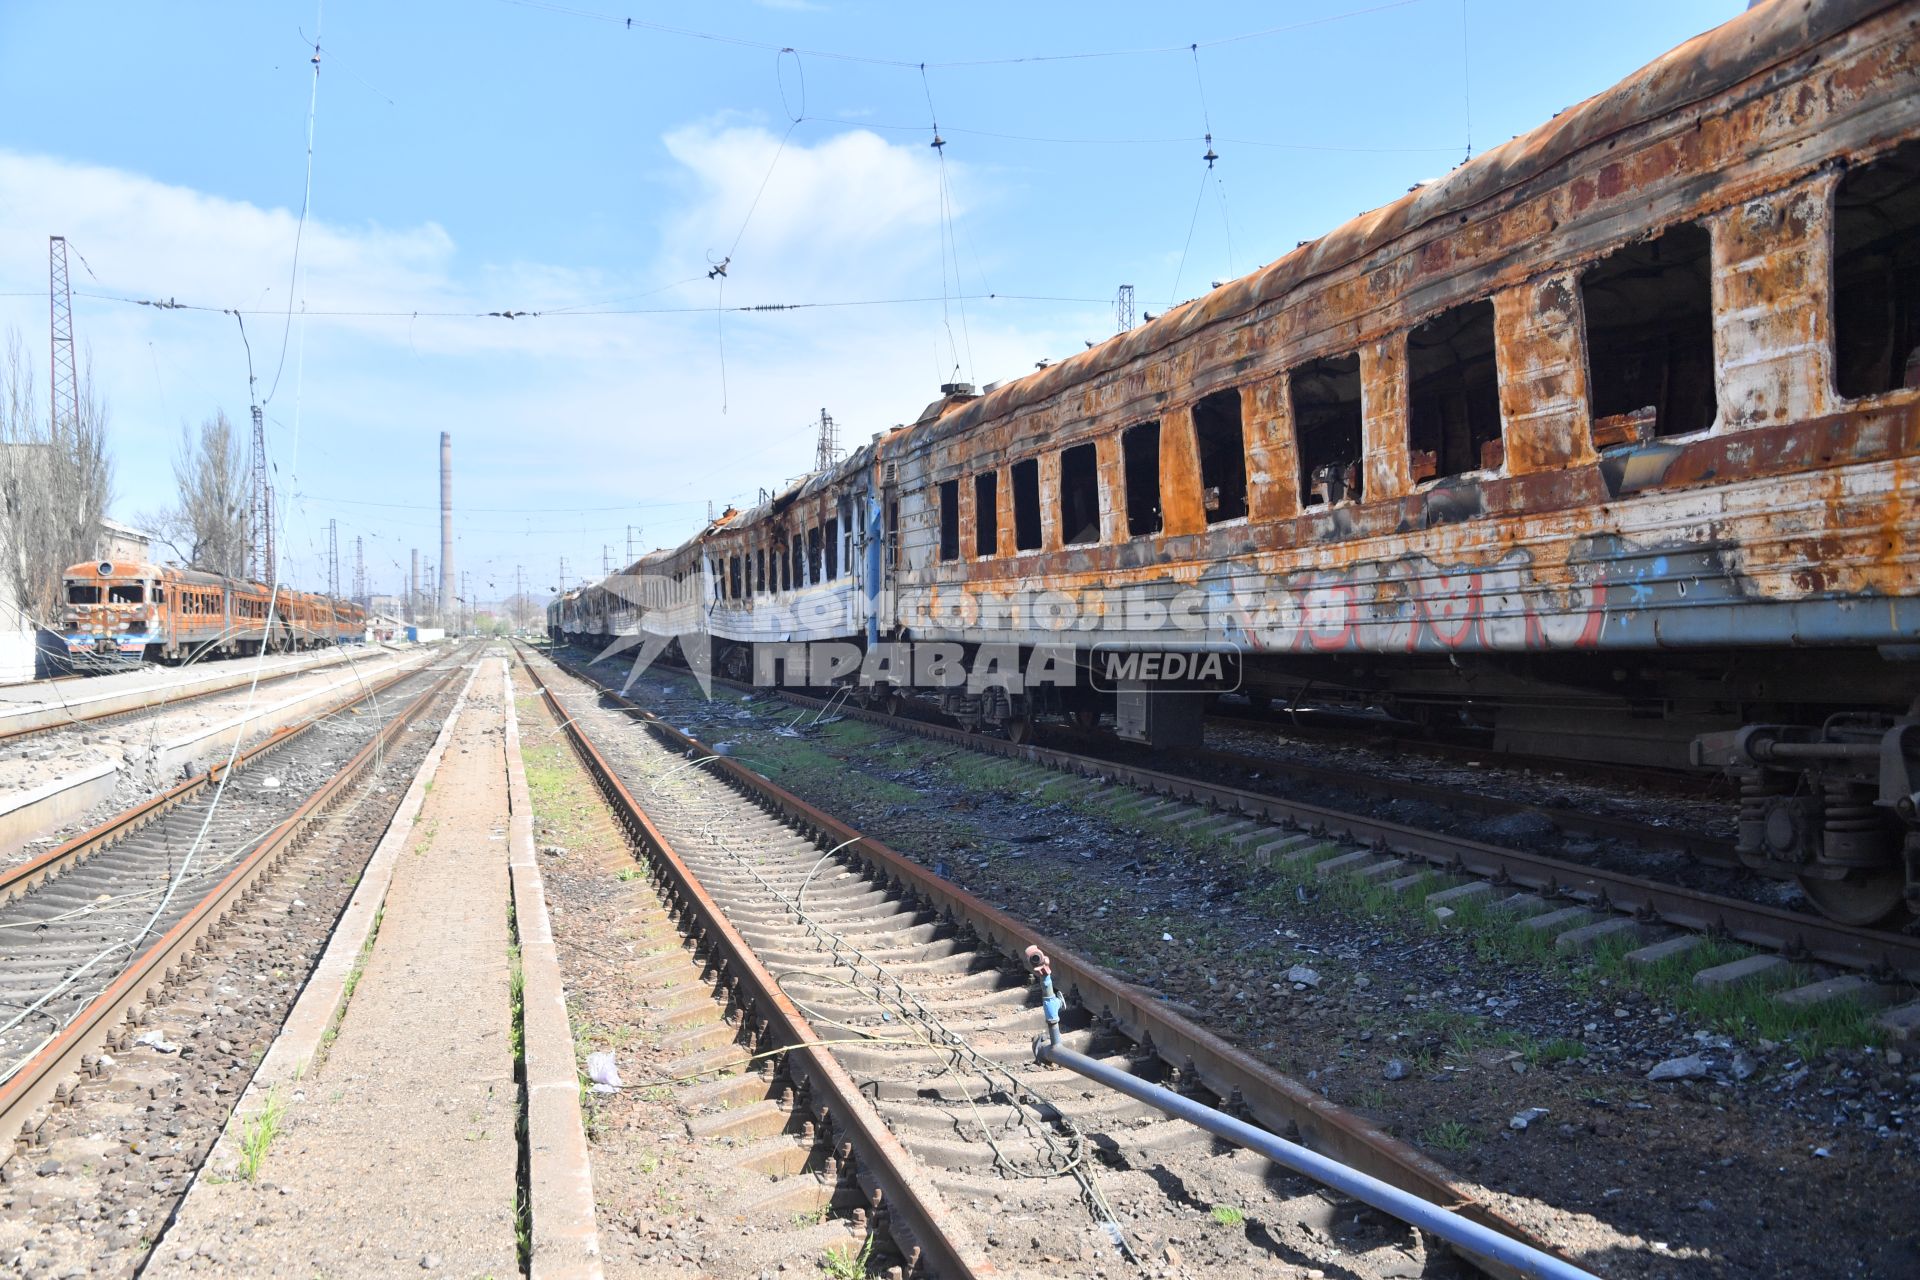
(908, 1023)
(19, 723)
(95, 927)
(1401, 737)
(1218, 762)
(1579, 905)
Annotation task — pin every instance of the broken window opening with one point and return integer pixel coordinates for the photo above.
(760, 569)
(986, 513)
(1326, 425)
(816, 556)
(1649, 310)
(798, 551)
(1223, 455)
(846, 535)
(1140, 453)
(1453, 394)
(1079, 495)
(949, 519)
(125, 594)
(1026, 505)
(893, 532)
(83, 595)
(1876, 276)
(783, 566)
(733, 577)
(833, 549)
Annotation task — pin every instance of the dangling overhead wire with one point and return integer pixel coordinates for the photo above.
(306, 204)
(1219, 180)
(949, 246)
(717, 270)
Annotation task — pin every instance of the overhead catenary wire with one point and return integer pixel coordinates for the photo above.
(170, 304)
(641, 24)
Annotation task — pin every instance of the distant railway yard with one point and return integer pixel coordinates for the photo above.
(1406, 764)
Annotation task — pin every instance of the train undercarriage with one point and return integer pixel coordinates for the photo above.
(1824, 746)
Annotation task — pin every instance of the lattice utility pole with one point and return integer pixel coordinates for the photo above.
(563, 574)
(827, 450)
(631, 532)
(260, 555)
(359, 570)
(1123, 308)
(66, 379)
(333, 559)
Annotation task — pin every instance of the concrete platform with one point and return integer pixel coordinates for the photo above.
(398, 1143)
(28, 815)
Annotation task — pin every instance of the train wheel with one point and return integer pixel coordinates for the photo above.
(1086, 720)
(1863, 898)
(1020, 730)
(891, 702)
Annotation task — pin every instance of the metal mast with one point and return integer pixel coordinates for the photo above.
(359, 570)
(260, 555)
(446, 527)
(333, 559)
(1123, 308)
(827, 451)
(66, 380)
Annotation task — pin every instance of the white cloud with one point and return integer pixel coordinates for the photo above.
(562, 410)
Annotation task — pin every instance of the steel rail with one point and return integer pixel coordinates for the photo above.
(44, 1075)
(1794, 935)
(16, 881)
(1710, 849)
(905, 1192)
(53, 717)
(1281, 1104)
(1398, 736)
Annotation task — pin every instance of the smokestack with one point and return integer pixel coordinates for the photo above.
(446, 527)
(413, 588)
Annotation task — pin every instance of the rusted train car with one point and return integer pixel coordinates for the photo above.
(1608, 440)
(119, 613)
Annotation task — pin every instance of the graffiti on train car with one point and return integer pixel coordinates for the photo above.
(1411, 603)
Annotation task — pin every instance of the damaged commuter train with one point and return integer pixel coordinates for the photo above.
(1609, 442)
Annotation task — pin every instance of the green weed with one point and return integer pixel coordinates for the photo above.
(843, 1263)
(258, 1133)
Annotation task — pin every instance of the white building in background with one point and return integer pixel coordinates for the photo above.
(17, 634)
(123, 542)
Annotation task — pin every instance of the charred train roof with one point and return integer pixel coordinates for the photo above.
(1745, 46)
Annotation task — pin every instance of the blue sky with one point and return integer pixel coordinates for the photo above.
(496, 155)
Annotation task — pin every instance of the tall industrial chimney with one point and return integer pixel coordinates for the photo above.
(413, 589)
(446, 528)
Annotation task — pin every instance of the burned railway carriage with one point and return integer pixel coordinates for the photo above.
(121, 613)
(1607, 440)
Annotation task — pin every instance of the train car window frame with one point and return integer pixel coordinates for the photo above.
(1627, 301)
(1220, 437)
(986, 515)
(1079, 495)
(1028, 532)
(1875, 215)
(1329, 452)
(830, 540)
(816, 555)
(949, 500)
(83, 593)
(1453, 394)
(1140, 470)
